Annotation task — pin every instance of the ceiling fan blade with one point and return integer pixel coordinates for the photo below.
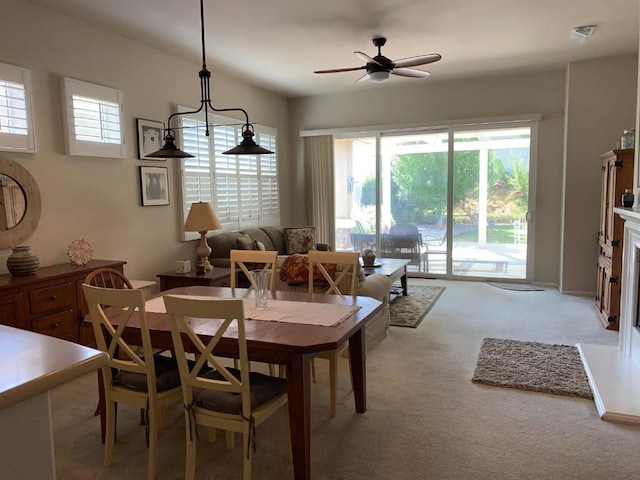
(410, 72)
(336, 70)
(366, 58)
(419, 60)
(362, 78)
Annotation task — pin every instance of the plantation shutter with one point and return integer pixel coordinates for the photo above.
(93, 119)
(269, 203)
(227, 201)
(16, 118)
(196, 171)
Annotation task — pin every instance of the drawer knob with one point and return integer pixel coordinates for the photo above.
(53, 298)
(54, 325)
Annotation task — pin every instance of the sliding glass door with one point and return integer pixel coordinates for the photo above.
(453, 201)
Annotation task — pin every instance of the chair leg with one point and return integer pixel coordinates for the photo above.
(333, 381)
(212, 434)
(154, 417)
(230, 438)
(190, 469)
(313, 370)
(110, 434)
(247, 453)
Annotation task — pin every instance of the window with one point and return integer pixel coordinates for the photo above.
(93, 118)
(16, 115)
(243, 189)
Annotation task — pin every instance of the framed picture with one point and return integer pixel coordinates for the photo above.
(150, 135)
(154, 186)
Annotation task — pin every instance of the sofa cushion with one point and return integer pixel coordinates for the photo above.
(277, 239)
(221, 244)
(244, 242)
(257, 245)
(259, 235)
(299, 239)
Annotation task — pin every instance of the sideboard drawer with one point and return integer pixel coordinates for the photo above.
(61, 325)
(47, 299)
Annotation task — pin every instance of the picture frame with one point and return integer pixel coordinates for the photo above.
(150, 135)
(154, 186)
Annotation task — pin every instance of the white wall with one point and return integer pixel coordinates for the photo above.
(600, 101)
(429, 101)
(99, 199)
(601, 104)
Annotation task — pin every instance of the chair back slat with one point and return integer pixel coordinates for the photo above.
(349, 262)
(228, 313)
(240, 259)
(109, 339)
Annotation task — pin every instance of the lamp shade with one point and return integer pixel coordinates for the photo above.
(201, 218)
(169, 149)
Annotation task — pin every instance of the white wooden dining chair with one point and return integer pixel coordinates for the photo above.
(346, 271)
(221, 397)
(247, 260)
(141, 379)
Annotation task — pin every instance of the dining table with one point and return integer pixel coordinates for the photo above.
(292, 343)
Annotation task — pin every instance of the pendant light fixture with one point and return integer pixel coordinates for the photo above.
(247, 147)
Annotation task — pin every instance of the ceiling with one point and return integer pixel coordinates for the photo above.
(277, 44)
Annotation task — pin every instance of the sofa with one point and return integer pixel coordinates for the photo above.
(275, 238)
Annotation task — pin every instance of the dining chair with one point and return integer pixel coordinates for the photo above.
(346, 264)
(226, 398)
(248, 260)
(142, 380)
(108, 278)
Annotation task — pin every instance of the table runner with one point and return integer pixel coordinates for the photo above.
(309, 313)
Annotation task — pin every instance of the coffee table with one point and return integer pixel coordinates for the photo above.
(394, 268)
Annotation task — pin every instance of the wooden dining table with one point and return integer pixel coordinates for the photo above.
(285, 343)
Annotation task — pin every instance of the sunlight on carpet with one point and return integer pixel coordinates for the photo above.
(409, 311)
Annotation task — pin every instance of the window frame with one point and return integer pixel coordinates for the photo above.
(229, 171)
(107, 95)
(15, 142)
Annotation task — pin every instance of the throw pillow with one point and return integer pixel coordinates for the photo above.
(299, 239)
(295, 269)
(257, 245)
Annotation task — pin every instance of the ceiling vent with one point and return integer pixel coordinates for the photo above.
(580, 34)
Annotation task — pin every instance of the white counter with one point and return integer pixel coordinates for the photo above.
(30, 365)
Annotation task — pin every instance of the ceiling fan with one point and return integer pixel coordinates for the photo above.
(380, 67)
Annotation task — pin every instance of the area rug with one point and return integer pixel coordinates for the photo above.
(409, 311)
(539, 367)
(521, 287)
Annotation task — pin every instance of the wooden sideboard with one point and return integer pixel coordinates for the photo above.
(51, 301)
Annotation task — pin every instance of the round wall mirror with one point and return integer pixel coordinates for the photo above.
(20, 203)
(13, 202)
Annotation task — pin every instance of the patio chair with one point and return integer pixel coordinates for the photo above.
(404, 241)
(434, 244)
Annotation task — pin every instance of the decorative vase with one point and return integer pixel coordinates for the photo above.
(627, 198)
(22, 261)
(368, 258)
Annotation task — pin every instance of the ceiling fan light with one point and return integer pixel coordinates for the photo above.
(378, 77)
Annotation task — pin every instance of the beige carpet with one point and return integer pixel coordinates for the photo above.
(409, 311)
(535, 366)
(425, 419)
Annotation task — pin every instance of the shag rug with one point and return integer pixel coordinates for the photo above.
(539, 367)
(409, 311)
(521, 287)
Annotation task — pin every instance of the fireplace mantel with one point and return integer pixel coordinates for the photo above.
(614, 372)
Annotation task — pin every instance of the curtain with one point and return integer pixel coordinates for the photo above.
(318, 163)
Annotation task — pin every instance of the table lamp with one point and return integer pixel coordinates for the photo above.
(201, 219)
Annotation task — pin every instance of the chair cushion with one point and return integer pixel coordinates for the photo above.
(167, 376)
(299, 239)
(263, 388)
